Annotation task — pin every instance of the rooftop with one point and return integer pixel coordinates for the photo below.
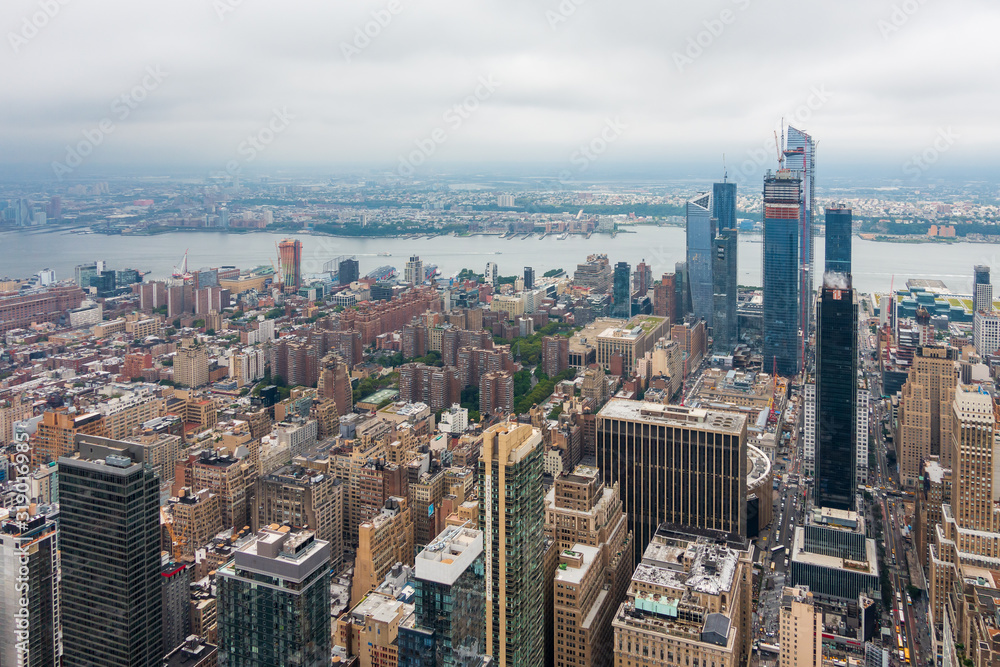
(678, 415)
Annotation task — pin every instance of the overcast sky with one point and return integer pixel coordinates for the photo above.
(661, 81)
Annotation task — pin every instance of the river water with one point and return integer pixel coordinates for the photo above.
(23, 253)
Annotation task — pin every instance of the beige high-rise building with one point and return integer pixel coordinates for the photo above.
(689, 603)
(966, 543)
(800, 630)
(124, 414)
(303, 498)
(586, 520)
(191, 364)
(924, 412)
(13, 410)
(196, 519)
(383, 541)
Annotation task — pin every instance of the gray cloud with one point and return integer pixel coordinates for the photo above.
(890, 89)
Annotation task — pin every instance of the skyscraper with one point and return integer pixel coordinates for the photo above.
(924, 411)
(724, 287)
(725, 277)
(109, 538)
(622, 296)
(983, 294)
(31, 545)
(348, 271)
(449, 579)
(836, 393)
(700, 234)
(511, 516)
(414, 271)
(675, 464)
(290, 256)
(665, 297)
(274, 601)
(529, 277)
(800, 158)
(782, 288)
(838, 239)
(642, 279)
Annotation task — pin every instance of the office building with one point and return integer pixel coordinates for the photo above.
(665, 297)
(290, 259)
(304, 498)
(986, 332)
(836, 394)
(491, 274)
(29, 634)
(450, 603)
(176, 604)
(619, 346)
(348, 271)
(800, 159)
(413, 274)
(725, 332)
(621, 306)
(510, 482)
(109, 540)
(838, 239)
(683, 296)
(689, 602)
(55, 436)
(274, 601)
(700, 226)
(861, 424)
(800, 629)
(783, 326)
(383, 541)
(675, 464)
(595, 274)
(194, 652)
(924, 412)
(529, 278)
(809, 426)
(586, 521)
(642, 279)
(832, 556)
(983, 294)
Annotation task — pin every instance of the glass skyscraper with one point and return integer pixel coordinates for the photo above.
(700, 236)
(800, 158)
(109, 538)
(724, 268)
(836, 392)
(838, 239)
(782, 329)
(622, 294)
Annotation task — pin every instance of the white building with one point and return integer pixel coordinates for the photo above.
(455, 420)
(490, 276)
(861, 426)
(986, 333)
(809, 428)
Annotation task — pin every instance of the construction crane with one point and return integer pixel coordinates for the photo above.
(777, 148)
(177, 545)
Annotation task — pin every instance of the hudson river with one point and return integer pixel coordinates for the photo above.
(23, 253)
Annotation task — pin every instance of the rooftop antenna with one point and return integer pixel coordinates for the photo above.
(725, 174)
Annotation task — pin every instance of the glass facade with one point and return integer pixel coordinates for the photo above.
(268, 621)
(622, 294)
(109, 538)
(836, 394)
(800, 158)
(782, 329)
(700, 235)
(838, 239)
(724, 273)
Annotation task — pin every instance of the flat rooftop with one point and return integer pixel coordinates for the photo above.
(673, 415)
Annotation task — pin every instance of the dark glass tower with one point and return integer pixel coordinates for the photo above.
(529, 277)
(682, 294)
(622, 306)
(836, 392)
(838, 239)
(348, 271)
(782, 328)
(109, 537)
(724, 268)
(700, 236)
(983, 289)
